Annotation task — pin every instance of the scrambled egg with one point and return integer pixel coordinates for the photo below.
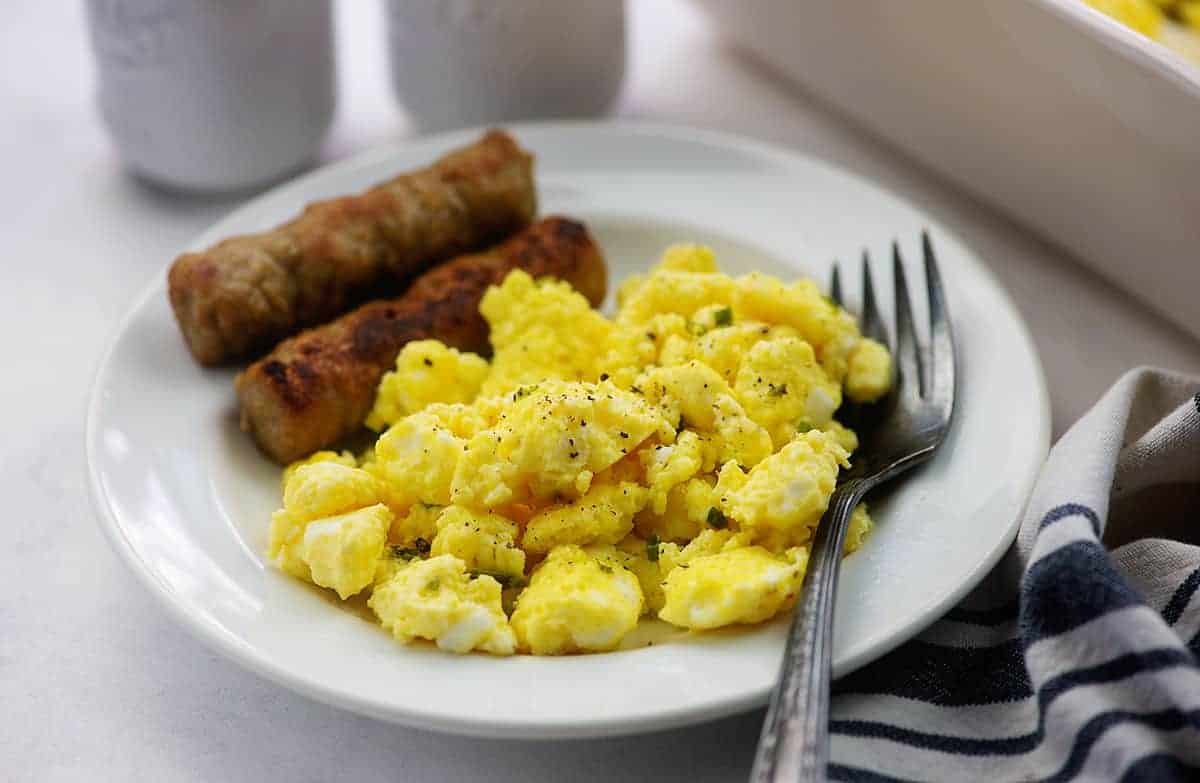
(551, 441)
(578, 600)
(1144, 16)
(540, 329)
(741, 585)
(672, 461)
(685, 514)
(484, 542)
(416, 458)
(603, 516)
(342, 458)
(427, 371)
(332, 528)
(436, 599)
(1173, 23)
(783, 497)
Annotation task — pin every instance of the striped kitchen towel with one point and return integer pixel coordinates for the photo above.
(1077, 658)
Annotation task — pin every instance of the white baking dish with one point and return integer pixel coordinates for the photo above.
(1067, 120)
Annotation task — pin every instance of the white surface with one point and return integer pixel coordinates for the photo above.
(187, 499)
(1070, 121)
(97, 682)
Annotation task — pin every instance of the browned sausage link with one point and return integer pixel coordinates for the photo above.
(318, 387)
(247, 292)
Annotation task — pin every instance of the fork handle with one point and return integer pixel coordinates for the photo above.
(794, 745)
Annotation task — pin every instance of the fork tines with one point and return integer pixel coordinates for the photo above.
(932, 366)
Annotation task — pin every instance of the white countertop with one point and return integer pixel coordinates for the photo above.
(96, 683)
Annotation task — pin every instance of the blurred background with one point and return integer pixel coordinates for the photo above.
(1054, 141)
(955, 107)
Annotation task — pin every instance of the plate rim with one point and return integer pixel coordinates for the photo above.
(233, 647)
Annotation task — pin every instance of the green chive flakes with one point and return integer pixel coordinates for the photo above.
(717, 519)
(505, 580)
(652, 549)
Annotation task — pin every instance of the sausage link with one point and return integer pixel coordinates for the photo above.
(248, 292)
(318, 387)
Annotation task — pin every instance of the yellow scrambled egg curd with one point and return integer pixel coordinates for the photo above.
(436, 599)
(322, 489)
(416, 526)
(332, 528)
(721, 344)
(485, 542)
(672, 461)
(672, 291)
(1144, 16)
(688, 508)
(641, 556)
(342, 458)
(668, 466)
(696, 397)
(343, 551)
(416, 458)
(800, 305)
(551, 441)
(859, 528)
(602, 516)
(782, 498)
(427, 371)
(578, 600)
(741, 585)
(709, 541)
(869, 375)
(784, 390)
(845, 437)
(1174, 23)
(538, 330)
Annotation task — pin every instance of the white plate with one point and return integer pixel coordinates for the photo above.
(185, 498)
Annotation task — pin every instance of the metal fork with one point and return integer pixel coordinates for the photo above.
(898, 433)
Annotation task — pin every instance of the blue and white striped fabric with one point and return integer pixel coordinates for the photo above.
(1075, 659)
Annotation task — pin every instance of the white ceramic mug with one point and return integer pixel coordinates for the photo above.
(471, 62)
(214, 94)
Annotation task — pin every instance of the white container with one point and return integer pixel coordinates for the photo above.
(214, 95)
(1067, 120)
(472, 62)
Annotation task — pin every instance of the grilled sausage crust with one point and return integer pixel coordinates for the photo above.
(318, 387)
(246, 293)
